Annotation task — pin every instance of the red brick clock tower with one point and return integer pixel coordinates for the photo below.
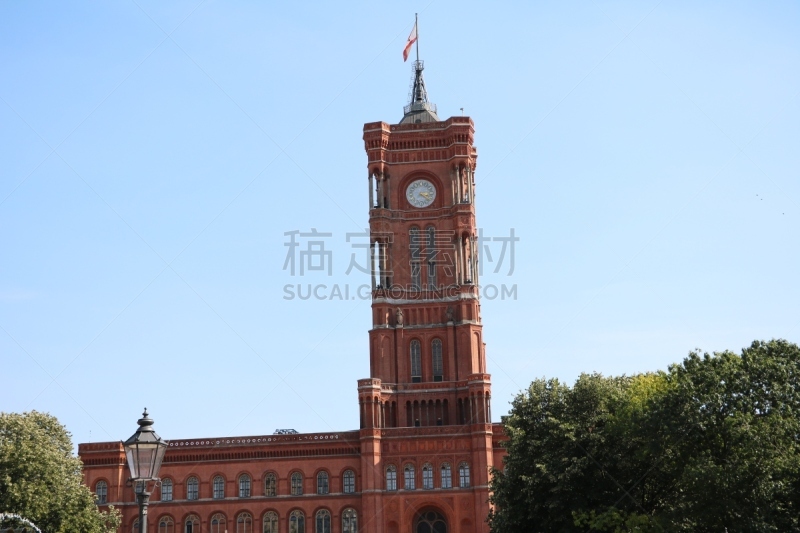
(428, 394)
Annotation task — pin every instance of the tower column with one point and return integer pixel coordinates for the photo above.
(470, 178)
(459, 263)
(473, 259)
(467, 258)
(371, 192)
(462, 172)
(384, 279)
(372, 261)
(453, 184)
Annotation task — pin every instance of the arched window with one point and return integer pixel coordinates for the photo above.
(270, 485)
(391, 478)
(101, 492)
(297, 484)
(427, 477)
(349, 521)
(271, 522)
(463, 475)
(429, 521)
(416, 362)
(192, 524)
(323, 522)
(192, 488)
(415, 243)
(219, 488)
(218, 523)
(244, 523)
(447, 476)
(436, 353)
(297, 522)
(349, 482)
(431, 246)
(166, 525)
(166, 490)
(244, 486)
(409, 478)
(322, 483)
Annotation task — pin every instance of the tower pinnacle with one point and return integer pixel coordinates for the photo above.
(418, 108)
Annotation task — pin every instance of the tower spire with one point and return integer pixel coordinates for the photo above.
(418, 108)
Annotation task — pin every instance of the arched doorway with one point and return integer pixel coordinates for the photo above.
(430, 521)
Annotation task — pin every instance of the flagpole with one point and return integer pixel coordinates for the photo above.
(416, 25)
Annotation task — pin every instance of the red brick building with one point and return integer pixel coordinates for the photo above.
(420, 461)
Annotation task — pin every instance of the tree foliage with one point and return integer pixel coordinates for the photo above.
(41, 479)
(710, 445)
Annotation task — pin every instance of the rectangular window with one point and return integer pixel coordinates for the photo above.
(427, 478)
(166, 490)
(244, 487)
(297, 484)
(438, 370)
(219, 488)
(101, 490)
(447, 477)
(463, 476)
(269, 485)
(322, 483)
(416, 361)
(409, 479)
(349, 482)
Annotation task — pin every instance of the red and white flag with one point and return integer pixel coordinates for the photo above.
(412, 38)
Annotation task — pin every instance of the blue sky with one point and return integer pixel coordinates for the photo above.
(153, 156)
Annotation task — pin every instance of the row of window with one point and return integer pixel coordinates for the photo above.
(416, 360)
(323, 484)
(410, 477)
(245, 486)
(244, 523)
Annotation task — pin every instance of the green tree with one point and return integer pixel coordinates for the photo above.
(41, 479)
(567, 454)
(729, 426)
(710, 445)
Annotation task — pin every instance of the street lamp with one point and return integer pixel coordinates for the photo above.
(145, 451)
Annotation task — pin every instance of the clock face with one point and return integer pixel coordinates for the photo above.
(421, 193)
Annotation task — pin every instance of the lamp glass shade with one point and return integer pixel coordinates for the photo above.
(144, 459)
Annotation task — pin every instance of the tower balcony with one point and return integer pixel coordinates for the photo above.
(417, 107)
(460, 208)
(447, 293)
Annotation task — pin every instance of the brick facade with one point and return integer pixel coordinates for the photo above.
(426, 405)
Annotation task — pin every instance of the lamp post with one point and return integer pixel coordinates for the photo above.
(145, 451)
